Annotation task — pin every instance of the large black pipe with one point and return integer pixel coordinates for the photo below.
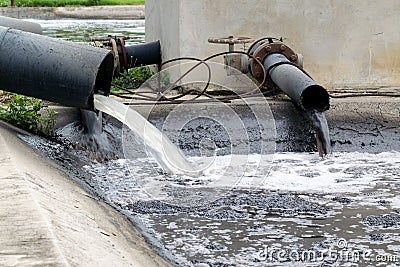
(301, 88)
(140, 55)
(51, 69)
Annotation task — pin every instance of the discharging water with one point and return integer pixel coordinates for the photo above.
(165, 152)
(320, 124)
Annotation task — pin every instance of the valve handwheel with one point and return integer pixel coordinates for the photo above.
(230, 40)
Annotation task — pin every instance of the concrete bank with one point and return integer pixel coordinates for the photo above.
(95, 12)
(48, 220)
(363, 124)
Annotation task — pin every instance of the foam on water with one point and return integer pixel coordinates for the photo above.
(304, 204)
(339, 172)
(349, 173)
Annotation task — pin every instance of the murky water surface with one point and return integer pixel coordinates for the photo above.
(343, 210)
(83, 30)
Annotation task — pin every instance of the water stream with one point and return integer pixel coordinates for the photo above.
(165, 152)
(320, 124)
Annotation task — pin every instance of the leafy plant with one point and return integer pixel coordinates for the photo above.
(132, 78)
(24, 112)
(140, 74)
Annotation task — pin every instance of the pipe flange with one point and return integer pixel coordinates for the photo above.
(114, 49)
(124, 54)
(263, 51)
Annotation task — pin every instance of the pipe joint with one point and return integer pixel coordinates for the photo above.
(127, 57)
(262, 50)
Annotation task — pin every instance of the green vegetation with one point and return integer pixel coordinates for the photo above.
(25, 113)
(59, 3)
(131, 79)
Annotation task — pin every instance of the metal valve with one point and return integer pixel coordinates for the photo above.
(236, 61)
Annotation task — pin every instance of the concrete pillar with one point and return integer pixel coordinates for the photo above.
(344, 43)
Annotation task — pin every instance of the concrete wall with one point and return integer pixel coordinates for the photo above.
(344, 43)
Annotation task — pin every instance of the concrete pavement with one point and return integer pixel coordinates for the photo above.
(49, 220)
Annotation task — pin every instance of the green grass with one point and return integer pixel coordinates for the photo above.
(58, 3)
(24, 112)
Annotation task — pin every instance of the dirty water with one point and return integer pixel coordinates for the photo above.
(343, 210)
(83, 30)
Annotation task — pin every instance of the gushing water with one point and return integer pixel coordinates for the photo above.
(322, 131)
(165, 152)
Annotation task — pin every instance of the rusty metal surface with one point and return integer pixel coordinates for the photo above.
(236, 61)
(123, 53)
(233, 61)
(263, 50)
(108, 38)
(230, 40)
(130, 56)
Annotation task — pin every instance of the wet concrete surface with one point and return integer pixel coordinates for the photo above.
(338, 211)
(355, 124)
(371, 125)
(49, 220)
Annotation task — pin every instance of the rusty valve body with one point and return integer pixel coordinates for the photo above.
(234, 61)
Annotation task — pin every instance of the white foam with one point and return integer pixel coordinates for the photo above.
(289, 172)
